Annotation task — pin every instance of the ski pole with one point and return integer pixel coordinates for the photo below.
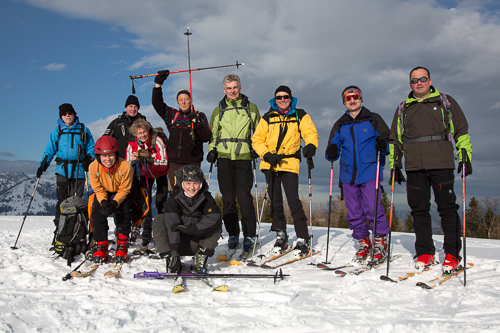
(390, 222)
(187, 33)
(256, 205)
(187, 70)
(374, 228)
(329, 214)
(310, 166)
(25, 215)
(77, 169)
(210, 174)
(463, 218)
(68, 276)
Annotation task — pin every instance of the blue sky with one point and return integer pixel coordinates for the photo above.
(83, 52)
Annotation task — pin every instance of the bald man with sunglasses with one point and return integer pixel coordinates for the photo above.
(422, 130)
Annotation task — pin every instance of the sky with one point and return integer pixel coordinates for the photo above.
(83, 52)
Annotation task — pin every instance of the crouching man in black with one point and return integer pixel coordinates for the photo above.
(191, 222)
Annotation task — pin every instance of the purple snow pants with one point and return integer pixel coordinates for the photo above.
(359, 201)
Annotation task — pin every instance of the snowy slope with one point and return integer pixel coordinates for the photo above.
(33, 296)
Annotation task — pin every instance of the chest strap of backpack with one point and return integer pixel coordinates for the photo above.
(446, 104)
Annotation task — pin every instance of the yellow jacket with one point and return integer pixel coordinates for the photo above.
(289, 130)
(117, 180)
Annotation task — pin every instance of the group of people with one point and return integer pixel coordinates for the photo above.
(131, 153)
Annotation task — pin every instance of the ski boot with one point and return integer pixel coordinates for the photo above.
(248, 244)
(424, 261)
(281, 244)
(121, 248)
(365, 245)
(302, 247)
(450, 264)
(134, 234)
(101, 253)
(233, 242)
(146, 237)
(200, 261)
(380, 249)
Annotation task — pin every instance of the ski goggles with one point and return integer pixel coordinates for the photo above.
(422, 79)
(347, 98)
(282, 97)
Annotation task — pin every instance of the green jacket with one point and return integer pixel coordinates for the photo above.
(232, 128)
(423, 119)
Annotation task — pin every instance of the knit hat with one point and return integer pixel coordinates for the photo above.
(183, 92)
(350, 90)
(283, 89)
(131, 99)
(66, 107)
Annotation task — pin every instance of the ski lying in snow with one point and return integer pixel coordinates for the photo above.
(440, 279)
(114, 272)
(291, 260)
(228, 254)
(269, 258)
(87, 271)
(179, 285)
(208, 282)
(364, 268)
(407, 275)
(143, 250)
(328, 268)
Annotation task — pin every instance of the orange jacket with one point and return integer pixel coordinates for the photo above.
(117, 180)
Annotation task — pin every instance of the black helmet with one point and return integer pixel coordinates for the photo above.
(188, 173)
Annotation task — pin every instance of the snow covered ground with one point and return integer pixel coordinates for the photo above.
(33, 297)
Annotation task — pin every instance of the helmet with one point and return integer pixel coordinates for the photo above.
(188, 173)
(105, 145)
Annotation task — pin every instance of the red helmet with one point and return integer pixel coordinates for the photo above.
(105, 145)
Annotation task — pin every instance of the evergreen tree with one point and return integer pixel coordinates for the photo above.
(408, 222)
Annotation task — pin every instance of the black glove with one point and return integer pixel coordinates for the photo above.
(399, 178)
(174, 264)
(332, 151)
(43, 167)
(380, 144)
(467, 163)
(108, 207)
(186, 229)
(273, 159)
(195, 119)
(212, 156)
(253, 154)
(310, 163)
(309, 151)
(162, 76)
(86, 162)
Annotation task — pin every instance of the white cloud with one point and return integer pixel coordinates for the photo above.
(54, 66)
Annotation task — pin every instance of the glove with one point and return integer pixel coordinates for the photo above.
(273, 159)
(145, 157)
(253, 154)
(380, 144)
(332, 151)
(467, 163)
(212, 156)
(86, 162)
(194, 118)
(43, 167)
(108, 207)
(399, 178)
(309, 151)
(174, 263)
(162, 76)
(186, 229)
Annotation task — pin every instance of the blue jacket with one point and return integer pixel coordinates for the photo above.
(65, 148)
(355, 140)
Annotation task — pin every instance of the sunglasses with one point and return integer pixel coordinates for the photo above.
(422, 79)
(349, 97)
(67, 114)
(282, 97)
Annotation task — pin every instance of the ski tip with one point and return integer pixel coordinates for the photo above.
(386, 278)
(267, 266)
(235, 263)
(424, 285)
(178, 289)
(222, 288)
(321, 265)
(222, 257)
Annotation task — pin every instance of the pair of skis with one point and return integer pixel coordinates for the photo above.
(344, 270)
(431, 284)
(89, 270)
(238, 259)
(268, 261)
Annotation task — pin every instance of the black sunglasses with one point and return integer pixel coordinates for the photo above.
(282, 97)
(422, 79)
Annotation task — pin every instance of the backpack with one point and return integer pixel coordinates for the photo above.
(72, 230)
(83, 135)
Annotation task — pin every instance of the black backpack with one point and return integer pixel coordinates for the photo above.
(72, 231)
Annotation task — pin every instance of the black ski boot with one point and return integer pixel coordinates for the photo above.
(281, 244)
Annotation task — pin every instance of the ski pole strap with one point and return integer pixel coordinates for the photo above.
(426, 138)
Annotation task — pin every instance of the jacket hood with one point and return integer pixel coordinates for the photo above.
(274, 106)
